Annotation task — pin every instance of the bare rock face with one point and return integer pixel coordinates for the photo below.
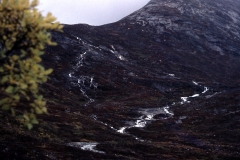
(162, 83)
(195, 33)
(202, 21)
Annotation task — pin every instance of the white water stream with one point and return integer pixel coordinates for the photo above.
(150, 114)
(185, 99)
(87, 146)
(84, 83)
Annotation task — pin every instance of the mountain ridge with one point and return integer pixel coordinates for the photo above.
(161, 83)
(174, 45)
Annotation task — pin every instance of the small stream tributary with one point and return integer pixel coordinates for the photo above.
(153, 114)
(148, 115)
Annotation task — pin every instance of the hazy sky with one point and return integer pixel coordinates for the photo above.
(93, 12)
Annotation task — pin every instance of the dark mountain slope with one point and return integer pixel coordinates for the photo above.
(191, 40)
(162, 83)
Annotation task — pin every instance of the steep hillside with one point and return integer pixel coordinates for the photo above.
(162, 83)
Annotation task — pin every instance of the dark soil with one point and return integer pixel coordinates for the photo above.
(154, 73)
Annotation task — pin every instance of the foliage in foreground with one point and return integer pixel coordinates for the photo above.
(24, 32)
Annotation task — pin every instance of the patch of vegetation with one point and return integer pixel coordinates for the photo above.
(24, 32)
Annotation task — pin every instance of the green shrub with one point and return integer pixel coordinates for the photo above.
(24, 32)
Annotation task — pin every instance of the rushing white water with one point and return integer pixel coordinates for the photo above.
(122, 130)
(87, 146)
(185, 99)
(166, 109)
(149, 113)
(116, 53)
(80, 60)
(147, 117)
(195, 95)
(85, 83)
(195, 83)
(205, 90)
(140, 123)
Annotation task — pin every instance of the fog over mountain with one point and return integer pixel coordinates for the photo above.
(93, 12)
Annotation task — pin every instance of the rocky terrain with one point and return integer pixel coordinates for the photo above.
(162, 83)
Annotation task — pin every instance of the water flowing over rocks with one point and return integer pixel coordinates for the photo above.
(162, 83)
(88, 146)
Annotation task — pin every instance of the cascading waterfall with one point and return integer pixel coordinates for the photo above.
(85, 83)
(185, 99)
